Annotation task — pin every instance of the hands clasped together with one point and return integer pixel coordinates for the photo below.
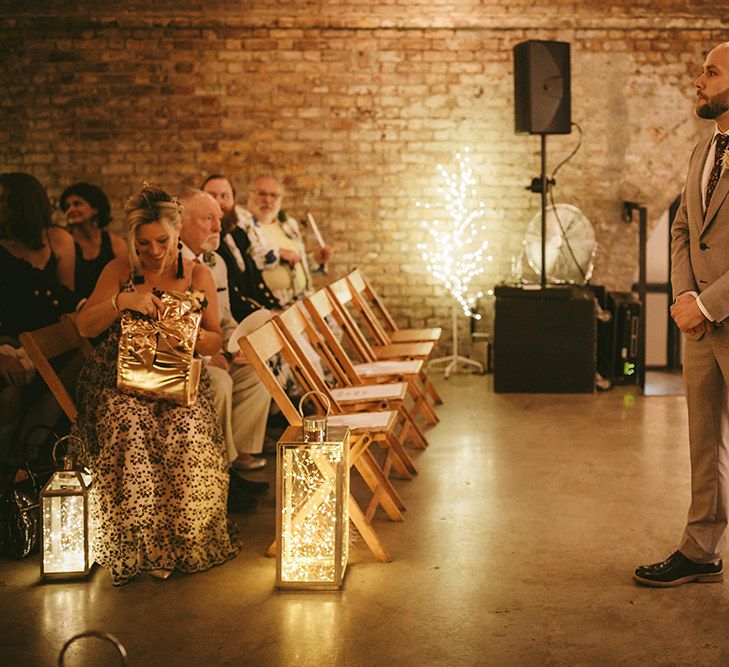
(688, 316)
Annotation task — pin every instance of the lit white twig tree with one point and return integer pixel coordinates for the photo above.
(455, 252)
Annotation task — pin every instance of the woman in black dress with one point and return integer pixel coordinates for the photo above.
(88, 213)
(36, 283)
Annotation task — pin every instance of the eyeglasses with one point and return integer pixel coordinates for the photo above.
(263, 194)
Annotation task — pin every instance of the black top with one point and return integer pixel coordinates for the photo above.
(89, 270)
(246, 289)
(30, 298)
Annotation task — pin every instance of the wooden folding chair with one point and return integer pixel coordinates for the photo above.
(343, 295)
(268, 341)
(381, 316)
(322, 304)
(44, 345)
(294, 325)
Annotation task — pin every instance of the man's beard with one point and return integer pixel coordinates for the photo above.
(229, 220)
(714, 106)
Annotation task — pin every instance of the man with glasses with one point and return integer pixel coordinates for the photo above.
(277, 246)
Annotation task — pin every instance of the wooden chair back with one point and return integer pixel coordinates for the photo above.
(261, 346)
(48, 343)
(294, 322)
(340, 295)
(319, 305)
(368, 315)
(362, 287)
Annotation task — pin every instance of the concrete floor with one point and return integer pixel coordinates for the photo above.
(523, 528)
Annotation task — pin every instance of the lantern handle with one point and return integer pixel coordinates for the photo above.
(26, 440)
(64, 438)
(311, 393)
(98, 635)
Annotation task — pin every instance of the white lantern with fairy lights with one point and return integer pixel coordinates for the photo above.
(64, 509)
(312, 504)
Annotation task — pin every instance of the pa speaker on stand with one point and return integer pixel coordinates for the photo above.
(542, 101)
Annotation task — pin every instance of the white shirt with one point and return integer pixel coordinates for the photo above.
(217, 267)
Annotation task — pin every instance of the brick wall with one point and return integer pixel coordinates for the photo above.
(355, 104)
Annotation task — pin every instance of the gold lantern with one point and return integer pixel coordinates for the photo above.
(64, 510)
(312, 504)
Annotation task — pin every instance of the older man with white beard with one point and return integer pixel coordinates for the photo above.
(276, 245)
(242, 399)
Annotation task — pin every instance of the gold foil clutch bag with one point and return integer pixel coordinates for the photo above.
(157, 356)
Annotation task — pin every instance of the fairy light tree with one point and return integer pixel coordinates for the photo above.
(455, 251)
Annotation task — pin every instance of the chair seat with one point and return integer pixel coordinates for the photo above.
(367, 421)
(373, 368)
(370, 392)
(399, 350)
(431, 335)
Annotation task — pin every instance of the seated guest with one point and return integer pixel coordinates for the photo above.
(88, 212)
(36, 284)
(245, 424)
(278, 249)
(248, 291)
(160, 474)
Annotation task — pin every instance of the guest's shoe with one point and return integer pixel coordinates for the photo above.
(247, 485)
(248, 462)
(239, 501)
(677, 570)
(160, 574)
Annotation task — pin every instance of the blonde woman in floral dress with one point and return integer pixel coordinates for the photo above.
(159, 470)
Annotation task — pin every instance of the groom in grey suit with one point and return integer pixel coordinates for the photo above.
(700, 281)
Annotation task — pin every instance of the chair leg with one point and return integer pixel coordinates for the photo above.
(410, 430)
(421, 402)
(368, 533)
(428, 385)
(383, 492)
(402, 455)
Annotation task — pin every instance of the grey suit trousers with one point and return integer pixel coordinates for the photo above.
(706, 378)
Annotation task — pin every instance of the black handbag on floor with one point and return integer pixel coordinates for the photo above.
(19, 518)
(19, 506)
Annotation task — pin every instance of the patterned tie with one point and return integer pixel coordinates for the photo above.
(721, 144)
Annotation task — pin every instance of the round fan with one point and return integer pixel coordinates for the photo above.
(570, 245)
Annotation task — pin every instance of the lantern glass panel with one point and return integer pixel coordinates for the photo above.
(65, 530)
(313, 514)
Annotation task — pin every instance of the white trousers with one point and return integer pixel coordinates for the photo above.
(242, 404)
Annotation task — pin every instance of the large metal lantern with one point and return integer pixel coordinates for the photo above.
(312, 505)
(64, 509)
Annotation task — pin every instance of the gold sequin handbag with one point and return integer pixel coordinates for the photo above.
(157, 355)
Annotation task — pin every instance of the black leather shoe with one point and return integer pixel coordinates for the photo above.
(677, 570)
(247, 485)
(238, 501)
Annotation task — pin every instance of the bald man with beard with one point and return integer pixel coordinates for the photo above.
(700, 281)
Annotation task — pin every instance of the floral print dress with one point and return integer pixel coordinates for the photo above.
(160, 478)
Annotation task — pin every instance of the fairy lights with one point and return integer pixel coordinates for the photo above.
(312, 507)
(454, 252)
(66, 549)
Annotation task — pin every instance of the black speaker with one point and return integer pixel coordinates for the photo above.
(544, 340)
(542, 87)
(618, 358)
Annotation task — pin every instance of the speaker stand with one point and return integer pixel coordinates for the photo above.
(542, 185)
(453, 359)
